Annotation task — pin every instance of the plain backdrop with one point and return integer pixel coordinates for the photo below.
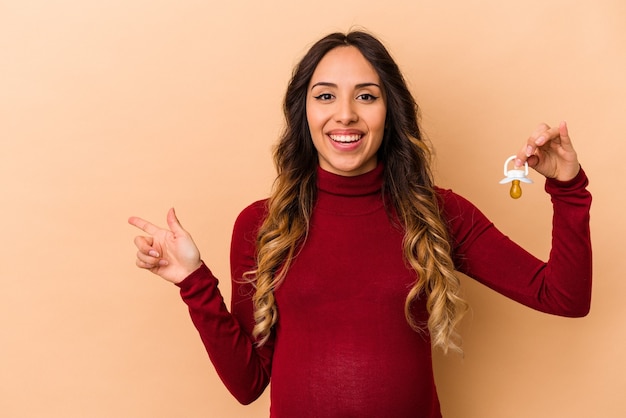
(128, 107)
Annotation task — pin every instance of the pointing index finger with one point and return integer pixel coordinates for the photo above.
(143, 225)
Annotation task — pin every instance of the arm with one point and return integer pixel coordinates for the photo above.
(562, 286)
(244, 368)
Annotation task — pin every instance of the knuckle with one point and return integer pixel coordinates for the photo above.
(543, 126)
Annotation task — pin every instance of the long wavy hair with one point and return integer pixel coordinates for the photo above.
(407, 190)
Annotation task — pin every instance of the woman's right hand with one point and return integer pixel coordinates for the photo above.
(168, 253)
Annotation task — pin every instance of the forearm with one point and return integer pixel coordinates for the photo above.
(560, 286)
(244, 368)
(571, 254)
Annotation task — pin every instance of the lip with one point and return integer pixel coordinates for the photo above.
(345, 137)
(345, 132)
(345, 140)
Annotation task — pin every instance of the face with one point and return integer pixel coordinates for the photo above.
(346, 109)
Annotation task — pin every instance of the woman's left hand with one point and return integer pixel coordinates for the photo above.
(550, 152)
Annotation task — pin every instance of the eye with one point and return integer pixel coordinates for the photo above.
(366, 97)
(324, 96)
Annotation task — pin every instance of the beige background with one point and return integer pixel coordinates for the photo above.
(127, 107)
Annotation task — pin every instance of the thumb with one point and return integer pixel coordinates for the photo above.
(173, 222)
(564, 134)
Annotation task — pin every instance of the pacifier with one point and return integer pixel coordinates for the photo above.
(515, 177)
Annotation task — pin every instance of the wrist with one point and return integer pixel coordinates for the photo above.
(187, 271)
(194, 276)
(568, 175)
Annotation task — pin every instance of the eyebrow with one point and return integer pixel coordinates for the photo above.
(358, 86)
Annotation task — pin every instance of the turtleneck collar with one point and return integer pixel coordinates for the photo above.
(350, 195)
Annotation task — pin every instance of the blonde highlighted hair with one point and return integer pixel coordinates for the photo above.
(407, 189)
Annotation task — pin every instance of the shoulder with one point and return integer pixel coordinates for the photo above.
(462, 217)
(451, 203)
(253, 211)
(250, 219)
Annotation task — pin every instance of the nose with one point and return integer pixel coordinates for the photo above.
(345, 112)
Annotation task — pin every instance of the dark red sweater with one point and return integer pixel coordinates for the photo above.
(342, 346)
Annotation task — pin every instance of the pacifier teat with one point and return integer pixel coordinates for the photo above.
(515, 177)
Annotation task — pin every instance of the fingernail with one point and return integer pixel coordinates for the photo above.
(541, 140)
(153, 253)
(163, 262)
(529, 151)
(518, 163)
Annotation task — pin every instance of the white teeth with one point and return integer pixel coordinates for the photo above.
(345, 138)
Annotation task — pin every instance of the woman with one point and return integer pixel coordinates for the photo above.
(344, 278)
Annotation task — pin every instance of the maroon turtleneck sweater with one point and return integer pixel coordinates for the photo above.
(342, 346)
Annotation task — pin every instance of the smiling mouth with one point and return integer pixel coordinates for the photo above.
(345, 139)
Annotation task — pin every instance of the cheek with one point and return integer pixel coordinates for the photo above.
(313, 128)
(376, 115)
(378, 121)
(310, 116)
(315, 120)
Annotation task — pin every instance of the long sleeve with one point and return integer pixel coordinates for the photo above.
(560, 286)
(227, 336)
